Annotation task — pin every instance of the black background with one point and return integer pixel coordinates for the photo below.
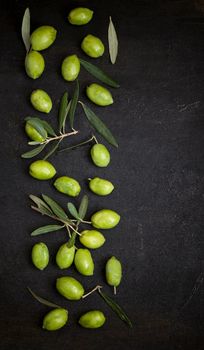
(157, 170)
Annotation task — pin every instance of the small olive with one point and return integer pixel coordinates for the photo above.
(80, 16)
(55, 319)
(69, 287)
(105, 219)
(41, 101)
(84, 262)
(43, 37)
(34, 64)
(100, 155)
(65, 256)
(40, 255)
(99, 95)
(100, 186)
(92, 319)
(42, 170)
(113, 272)
(92, 239)
(67, 185)
(92, 46)
(33, 133)
(70, 68)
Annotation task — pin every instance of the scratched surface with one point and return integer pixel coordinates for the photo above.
(158, 119)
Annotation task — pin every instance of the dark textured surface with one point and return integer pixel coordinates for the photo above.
(157, 170)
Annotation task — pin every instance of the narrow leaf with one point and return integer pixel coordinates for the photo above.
(48, 127)
(63, 110)
(37, 124)
(67, 112)
(112, 42)
(73, 211)
(57, 210)
(25, 29)
(99, 74)
(34, 143)
(73, 105)
(71, 241)
(42, 300)
(53, 149)
(97, 123)
(45, 229)
(76, 146)
(34, 152)
(116, 308)
(83, 207)
(40, 203)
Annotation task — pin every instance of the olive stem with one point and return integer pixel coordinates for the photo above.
(79, 144)
(92, 291)
(86, 222)
(114, 290)
(68, 230)
(62, 136)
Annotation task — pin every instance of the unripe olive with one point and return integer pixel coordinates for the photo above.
(70, 68)
(68, 186)
(69, 287)
(92, 239)
(42, 170)
(105, 219)
(84, 262)
(43, 37)
(33, 133)
(92, 319)
(80, 16)
(92, 46)
(34, 64)
(41, 101)
(113, 272)
(99, 95)
(40, 255)
(55, 319)
(65, 256)
(100, 186)
(100, 155)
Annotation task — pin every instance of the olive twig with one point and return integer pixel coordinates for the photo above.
(79, 144)
(92, 291)
(61, 136)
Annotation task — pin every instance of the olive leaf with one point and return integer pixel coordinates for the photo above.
(97, 123)
(25, 29)
(47, 127)
(34, 143)
(34, 152)
(83, 207)
(98, 73)
(67, 112)
(45, 229)
(73, 105)
(53, 149)
(42, 300)
(71, 241)
(40, 204)
(37, 124)
(77, 146)
(63, 110)
(112, 41)
(57, 210)
(73, 211)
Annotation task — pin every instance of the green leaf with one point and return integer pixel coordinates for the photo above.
(34, 152)
(45, 229)
(77, 146)
(63, 110)
(37, 124)
(98, 73)
(71, 241)
(34, 143)
(73, 211)
(53, 149)
(116, 308)
(112, 42)
(42, 300)
(25, 29)
(83, 207)
(67, 112)
(47, 127)
(97, 123)
(40, 203)
(57, 210)
(73, 105)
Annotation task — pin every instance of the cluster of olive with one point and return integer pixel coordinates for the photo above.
(67, 286)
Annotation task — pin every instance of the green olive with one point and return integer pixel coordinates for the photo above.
(69, 287)
(41, 101)
(92, 46)
(100, 186)
(34, 64)
(100, 155)
(105, 219)
(55, 319)
(40, 255)
(70, 68)
(113, 272)
(33, 133)
(92, 319)
(65, 256)
(68, 186)
(43, 37)
(99, 95)
(80, 16)
(84, 262)
(42, 170)
(92, 239)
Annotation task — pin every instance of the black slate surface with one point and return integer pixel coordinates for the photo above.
(157, 170)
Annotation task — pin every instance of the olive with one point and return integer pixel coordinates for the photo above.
(100, 186)
(113, 272)
(80, 16)
(40, 255)
(92, 319)
(100, 155)
(99, 95)
(34, 64)
(69, 287)
(43, 37)
(84, 262)
(105, 219)
(55, 319)
(42, 170)
(92, 46)
(92, 239)
(41, 101)
(33, 133)
(65, 256)
(70, 68)
(68, 186)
